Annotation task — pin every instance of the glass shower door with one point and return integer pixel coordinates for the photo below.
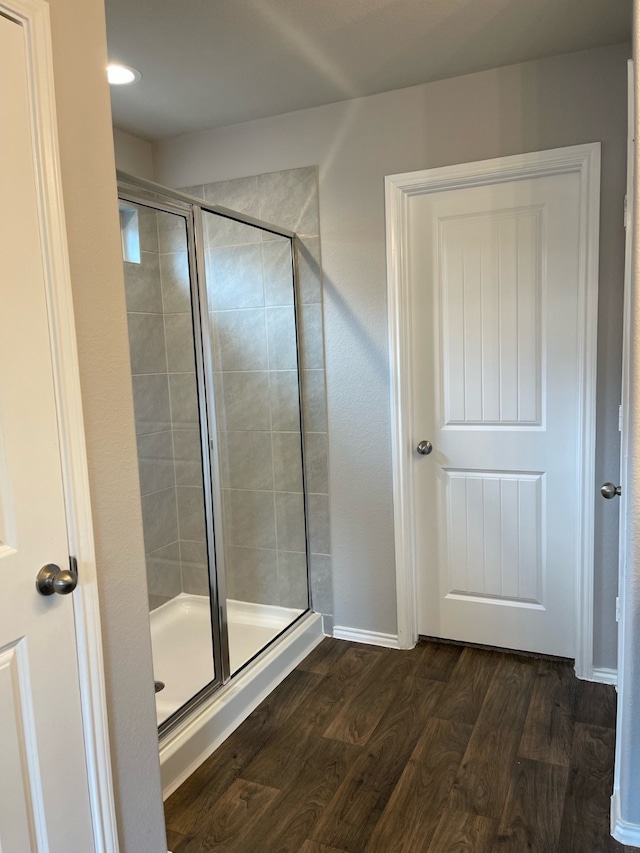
(211, 308)
(254, 356)
(166, 371)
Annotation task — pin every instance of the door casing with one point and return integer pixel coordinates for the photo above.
(585, 161)
(33, 17)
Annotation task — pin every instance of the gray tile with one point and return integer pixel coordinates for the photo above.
(156, 601)
(142, 285)
(163, 572)
(240, 194)
(191, 520)
(234, 277)
(176, 289)
(314, 401)
(249, 518)
(147, 229)
(309, 269)
(178, 329)
(239, 339)
(172, 233)
(287, 461)
(246, 460)
(321, 584)
(195, 579)
(285, 400)
(243, 400)
(170, 553)
(159, 519)
(290, 521)
(222, 230)
(187, 445)
(278, 272)
(195, 575)
(311, 336)
(155, 462)
(188, 457)
(252, 575)
(167, 580)
(146, 343)
(316, 463)
(281, 336)
(193, 552)
(184, 400)
(319, 535)
(196, 190)
(290, 199)
(151, 403)
(292, 580)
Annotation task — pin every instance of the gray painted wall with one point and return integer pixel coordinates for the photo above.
(133, 155)
(549, 103)
(91, 212)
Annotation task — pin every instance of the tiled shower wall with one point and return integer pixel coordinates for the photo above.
(266, 557)
(250, 298)
(166, 411)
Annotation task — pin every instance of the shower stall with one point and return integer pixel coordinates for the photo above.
(215, 362)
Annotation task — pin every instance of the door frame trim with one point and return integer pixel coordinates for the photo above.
(34, 18)
(585, 161)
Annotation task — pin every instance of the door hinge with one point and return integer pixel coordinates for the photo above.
(617, 608)
(620, 418)
(625, 215)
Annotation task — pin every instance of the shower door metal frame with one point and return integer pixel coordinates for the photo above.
(186, 211)
(150, 194)
(211, 439)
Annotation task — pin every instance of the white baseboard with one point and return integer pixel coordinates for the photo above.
(624, 832)
(373, 638)
(185, 748)
(604, 675)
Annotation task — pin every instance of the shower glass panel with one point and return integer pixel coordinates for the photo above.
(254, 354)
(165, 376)
(214, 345)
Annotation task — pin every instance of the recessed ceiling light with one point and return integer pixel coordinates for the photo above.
(122, 75)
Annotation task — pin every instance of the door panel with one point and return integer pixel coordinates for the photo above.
(490, 290)
(495, 305)
(44, 802)
(490, 552)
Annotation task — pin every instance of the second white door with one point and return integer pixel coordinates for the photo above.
(495, 276)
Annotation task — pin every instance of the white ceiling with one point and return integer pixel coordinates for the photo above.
(210, 63)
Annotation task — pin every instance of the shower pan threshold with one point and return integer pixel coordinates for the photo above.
(185, 747)
(181, 642)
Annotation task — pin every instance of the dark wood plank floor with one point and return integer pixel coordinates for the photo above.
(441, 749)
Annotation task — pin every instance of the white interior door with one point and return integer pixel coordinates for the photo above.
(495, 303)
(44, 801)
(625, 768)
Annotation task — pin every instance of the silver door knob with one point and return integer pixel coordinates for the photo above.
(52, 578)
(608, 491)
(424, 448)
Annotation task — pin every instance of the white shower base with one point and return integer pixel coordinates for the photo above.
(182, 647)
(192, 741)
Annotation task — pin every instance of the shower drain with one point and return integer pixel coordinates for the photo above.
(159, 685)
